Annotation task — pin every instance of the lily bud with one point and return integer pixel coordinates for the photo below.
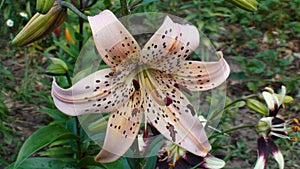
(248, 5)
(287, 99)
(43, 6)
(263, 125)
(257, 106)
(41, 25)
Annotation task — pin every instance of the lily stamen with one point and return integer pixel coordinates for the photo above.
(294, 139)
(296, 121)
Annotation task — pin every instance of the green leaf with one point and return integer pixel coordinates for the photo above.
(256, 66)
(152, 150)
(57, 151)
(89, 162)
(55, 70)
(39, 139)
(55, 114)
(57, 61)
(68, 50)
(122, 163)
(42, 162)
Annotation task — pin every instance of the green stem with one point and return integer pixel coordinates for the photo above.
(230, 130)
(73, 9)
(79, 139)
(77, 122)
(124, 8)
(78, 128)
(231, 104)
(135, 4)
(227, 107)
(239, 100)
(2, 3)
(69, 79)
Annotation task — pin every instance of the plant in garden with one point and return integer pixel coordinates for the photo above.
(133, 87)
(144, 82)
(272, 127)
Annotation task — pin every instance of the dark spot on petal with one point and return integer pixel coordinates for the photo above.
(136, 84)
(172, 131)
(191, 108)
(181, 87)
(134, 112)
(168, 101)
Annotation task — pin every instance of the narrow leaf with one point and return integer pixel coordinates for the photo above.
(41, 162)
(39, 139)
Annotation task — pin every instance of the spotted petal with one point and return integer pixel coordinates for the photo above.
(170, 45)
(199, 76)
(113, 41)
(123, 126)
(171, 114)
(196, 76)
(96, 93)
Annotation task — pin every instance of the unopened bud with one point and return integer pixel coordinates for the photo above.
(263, 125)
(248, 5)
(43, 6)
(257, 106)
(286, 100)
(41, 25)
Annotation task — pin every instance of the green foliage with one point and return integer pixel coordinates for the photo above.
(41, 138)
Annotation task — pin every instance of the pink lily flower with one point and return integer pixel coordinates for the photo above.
(144, 84)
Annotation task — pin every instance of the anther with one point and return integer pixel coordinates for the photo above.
(296, 121)
(171, 165)
(294, 139)
(295, 128)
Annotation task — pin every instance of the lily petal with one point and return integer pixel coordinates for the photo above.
(200, 76)
(176, 119)
(170, 45)
(212, 162)
(196, 76)
(113, 41)
(272, 103)
(282, 96)
(275, 152)
(263, 152)
(96, 93)
(123, 126)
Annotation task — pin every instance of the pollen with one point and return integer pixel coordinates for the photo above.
(294, 139)
(171, 164)
(296, 121)
(295, 128)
